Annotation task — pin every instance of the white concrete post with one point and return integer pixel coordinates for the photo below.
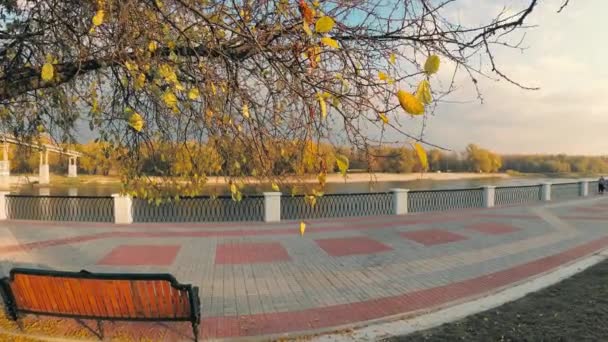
(489, 192)
(272, 206)
(122, 209)
(546, 192)
(72, 167)
(3, 205)
(44, 176)
(584, 188)
(5, 164)
(400, 201)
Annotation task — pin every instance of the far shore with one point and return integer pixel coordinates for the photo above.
(376, 177)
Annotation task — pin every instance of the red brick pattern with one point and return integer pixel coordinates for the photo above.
(338, 247)
(250, 253)
(430, 237)
(493, 228)
(141, 255)
(294, 321)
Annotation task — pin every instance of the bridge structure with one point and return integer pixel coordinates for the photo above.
(44, 149)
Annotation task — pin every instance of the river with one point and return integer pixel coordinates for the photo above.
(98, 189)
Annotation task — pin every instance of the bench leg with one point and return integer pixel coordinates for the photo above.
(195, 331)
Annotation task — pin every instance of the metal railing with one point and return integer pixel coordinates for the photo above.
(437, 200)
(200, 209)
(60, 208)
(506, 195)
(275, 207)
(565, 191)
(337, 205)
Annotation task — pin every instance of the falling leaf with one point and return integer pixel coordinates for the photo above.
(246, 111)
(410, 103)
(332, 43)
(136, 122)
(208, 113)
(323, 106)
(193, 94)
(421, 156)
(432, 64)
(152, 46)
(392, 59)
(47, 72)
(275, 187)
(342, 162)
(382, 76)
(302, 228)
(170, 99)
(98, 18)
(383, 117)
(324, 24)
(40, 128)
(423, 93)
(213, 89)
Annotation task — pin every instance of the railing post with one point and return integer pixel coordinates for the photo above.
(272, 206)
(400, 201)
(583, 188)
(489, 192)
(122, 209)
(546, 192)
(3, 205)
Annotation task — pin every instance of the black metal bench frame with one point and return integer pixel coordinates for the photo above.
(13, 310)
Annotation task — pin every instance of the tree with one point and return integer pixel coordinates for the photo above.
(251, 73)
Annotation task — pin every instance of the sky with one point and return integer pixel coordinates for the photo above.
(566, 59)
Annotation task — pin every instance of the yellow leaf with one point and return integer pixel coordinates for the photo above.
(208, 113)
(410, 103)
(383, 117)
(342, 162)
(423, 93)
(324, 24)
(152, 46)
(233, 188)
(246, 111)
(302, 228)
(432, 64)
(193, 94)
(306, 28)
(98, 18)
(47, 72)
(382, 76)
(421, 156)
(136, 122)
(323, 106)
(170, 99)
(213, 89)
(140, 81)
(393, 58)
(275, 187)
(332, 43)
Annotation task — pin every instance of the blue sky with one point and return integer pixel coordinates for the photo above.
(566, 59)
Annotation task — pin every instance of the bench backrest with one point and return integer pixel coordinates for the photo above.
(101, 295)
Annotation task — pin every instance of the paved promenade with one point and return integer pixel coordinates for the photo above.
(262, 280)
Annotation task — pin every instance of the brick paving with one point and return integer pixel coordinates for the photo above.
(265, 279)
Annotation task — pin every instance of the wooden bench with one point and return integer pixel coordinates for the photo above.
(111, 296)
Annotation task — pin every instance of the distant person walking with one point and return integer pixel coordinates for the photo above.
(601, 185)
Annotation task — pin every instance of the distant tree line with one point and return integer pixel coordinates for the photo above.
(100, 159)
